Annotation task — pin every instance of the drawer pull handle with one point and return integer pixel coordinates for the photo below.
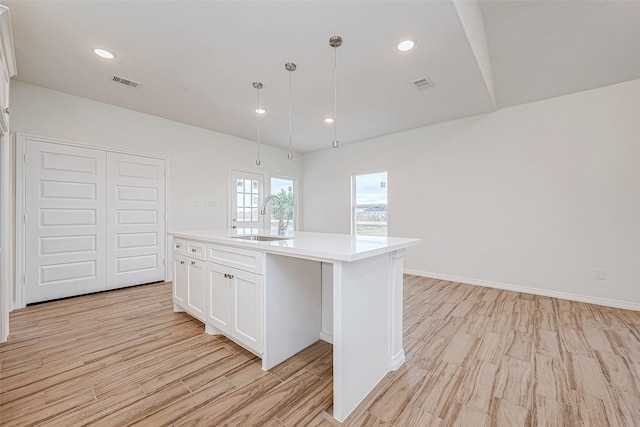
(193, 263)
(181, 262)
(228, 276)
(178, 246)
(193, 249)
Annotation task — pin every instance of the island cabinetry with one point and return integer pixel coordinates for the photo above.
(235, 295)
(189, 277)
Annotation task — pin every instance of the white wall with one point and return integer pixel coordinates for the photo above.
(198, 158)
(532, 197)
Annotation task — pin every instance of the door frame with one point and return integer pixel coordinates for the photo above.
(20, 207)
(6, 265)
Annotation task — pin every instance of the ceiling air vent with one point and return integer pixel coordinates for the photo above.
(423, 83)
(125, 82)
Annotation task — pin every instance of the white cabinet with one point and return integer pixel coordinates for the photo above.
(189, 278)
(247, 309)
(180, 275)
(196, 288)
(235, 299)
(218, 297)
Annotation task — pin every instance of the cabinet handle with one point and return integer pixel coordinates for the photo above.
(193, 249)
(231, 276)
(6, 111)
(193, 263)
(181, 262)
(178, 246)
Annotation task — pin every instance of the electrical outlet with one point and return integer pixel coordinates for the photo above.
(598, 273)
(199, 203)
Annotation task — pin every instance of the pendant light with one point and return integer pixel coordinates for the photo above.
(290, 67)
(335, 42)
(257, 86)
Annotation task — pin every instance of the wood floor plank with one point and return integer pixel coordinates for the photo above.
(46, 412)
(474, 357)
(303, 410)
(551, 379)
(479, 386)
(270, 403)
(182, 407)
(217, 412)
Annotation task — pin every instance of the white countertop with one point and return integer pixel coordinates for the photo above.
(327, 246)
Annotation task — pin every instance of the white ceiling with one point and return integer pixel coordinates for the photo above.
(197, 60)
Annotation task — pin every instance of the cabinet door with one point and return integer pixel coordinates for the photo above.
(218, 297)
(196, 289)
(180, 277)
(248, 314)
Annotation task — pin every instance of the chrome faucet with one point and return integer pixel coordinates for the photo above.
(263, 211)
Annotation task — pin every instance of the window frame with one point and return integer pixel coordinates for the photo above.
(294, 180)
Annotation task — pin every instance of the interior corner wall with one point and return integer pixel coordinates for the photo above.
(198, 159)
(532, 197)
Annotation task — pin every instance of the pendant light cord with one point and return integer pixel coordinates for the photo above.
(290, 117)
(257, 86)
(335, 93)
(258, 122)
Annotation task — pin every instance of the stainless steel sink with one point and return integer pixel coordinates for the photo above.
(259, 238)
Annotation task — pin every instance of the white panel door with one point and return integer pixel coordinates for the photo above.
(65, 221)
(136, 220)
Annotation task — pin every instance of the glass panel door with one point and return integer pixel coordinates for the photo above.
(246, 195)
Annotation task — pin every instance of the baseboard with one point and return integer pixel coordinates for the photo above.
(529, 290)
(326, 337)
(396, 361)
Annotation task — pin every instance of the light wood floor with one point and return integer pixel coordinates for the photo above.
(475, 357)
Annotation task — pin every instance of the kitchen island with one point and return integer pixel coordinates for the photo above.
(276, 295)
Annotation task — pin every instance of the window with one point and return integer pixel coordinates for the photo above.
(369, 204)
(284, 188)
(247, 200)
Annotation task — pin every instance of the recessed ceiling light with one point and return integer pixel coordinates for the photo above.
(328, 120)
(406, 45)
(103, 53)
(260, 111)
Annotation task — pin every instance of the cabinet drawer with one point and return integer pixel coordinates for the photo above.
(197, 250)
(191, 249)
(243, 259)
(179, 246)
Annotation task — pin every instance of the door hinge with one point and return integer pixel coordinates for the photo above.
(24, 278)
(24, 218)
